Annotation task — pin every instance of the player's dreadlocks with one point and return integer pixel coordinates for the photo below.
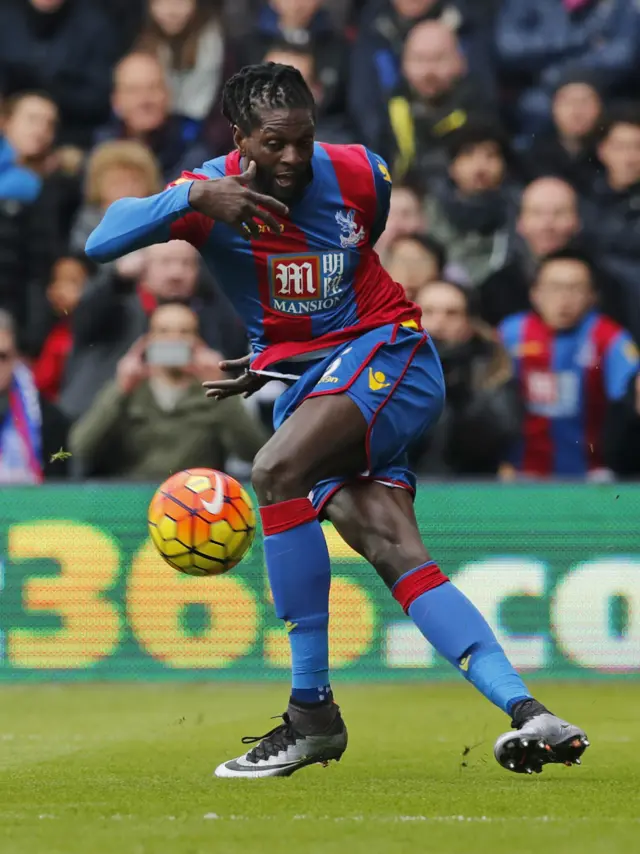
(267, 86)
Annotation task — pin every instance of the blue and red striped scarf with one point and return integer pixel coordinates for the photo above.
(21, 432)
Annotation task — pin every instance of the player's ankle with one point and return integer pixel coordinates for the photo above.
(526, 709)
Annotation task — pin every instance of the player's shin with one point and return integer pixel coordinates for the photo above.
(300, 576)
(459, 632)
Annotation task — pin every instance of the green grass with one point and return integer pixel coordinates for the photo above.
(115, 769)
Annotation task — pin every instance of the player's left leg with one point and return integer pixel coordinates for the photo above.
(379, 523)
(323, 437)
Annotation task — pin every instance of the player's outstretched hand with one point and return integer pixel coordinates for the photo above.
(246, 384)
(231, 200)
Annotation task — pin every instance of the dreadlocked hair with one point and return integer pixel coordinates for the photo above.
(269, 86)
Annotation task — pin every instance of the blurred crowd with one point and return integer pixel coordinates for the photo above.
(512, 131)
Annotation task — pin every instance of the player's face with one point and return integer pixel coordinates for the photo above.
(282, 148)
(563, 293)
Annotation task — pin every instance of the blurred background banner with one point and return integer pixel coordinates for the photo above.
(83, 595)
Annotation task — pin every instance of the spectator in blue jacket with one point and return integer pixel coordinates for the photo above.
(376, 58)
(537, 42)
(66, 47)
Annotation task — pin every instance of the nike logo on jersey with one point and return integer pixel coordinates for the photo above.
(464, 663)
(215, 507)
(377, 380)
(289, 626)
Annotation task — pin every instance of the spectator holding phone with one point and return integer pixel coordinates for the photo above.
(153, 419)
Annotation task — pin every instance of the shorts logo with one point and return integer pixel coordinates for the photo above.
(328, 377)
(377, 380)
(306, 284)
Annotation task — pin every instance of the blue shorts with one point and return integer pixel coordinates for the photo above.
(393, 374)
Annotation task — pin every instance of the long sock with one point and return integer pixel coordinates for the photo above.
(459, 632)
(300, 576)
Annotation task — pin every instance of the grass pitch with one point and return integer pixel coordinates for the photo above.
(120, 769)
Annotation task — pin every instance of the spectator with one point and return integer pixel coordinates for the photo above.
(434, 99)
(115, 170)
(27, 231)
(470, 208)
(568, 150)
(549, 219)
(331, 126)
(415, 260)
(188, 38)
(142, 105)
(538, 42)
(305, 24)
(117, 303)
(406, 216)
(154, 419)
(482, 415)
(573, 363)
(376, 58)
(66, 47)
(32, 430)
(68, 280)
(616, 214)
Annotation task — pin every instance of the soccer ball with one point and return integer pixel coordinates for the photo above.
(202, 522)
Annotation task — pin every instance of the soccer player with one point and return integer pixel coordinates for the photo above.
(288, 226)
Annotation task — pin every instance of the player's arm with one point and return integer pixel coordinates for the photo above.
(131, 224)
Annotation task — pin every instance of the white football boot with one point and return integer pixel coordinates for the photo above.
(307, 736)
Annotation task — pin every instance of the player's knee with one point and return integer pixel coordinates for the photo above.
(276, 478)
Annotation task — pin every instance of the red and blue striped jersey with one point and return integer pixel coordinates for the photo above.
(316, 284)
(567, 380)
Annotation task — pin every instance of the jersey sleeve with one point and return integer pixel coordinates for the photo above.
(383, 186)
(621, 365)
(131, 224)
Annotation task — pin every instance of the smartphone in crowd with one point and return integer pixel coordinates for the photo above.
(169, 354)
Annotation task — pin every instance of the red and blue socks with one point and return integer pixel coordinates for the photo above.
(300, 576)
(459, 632)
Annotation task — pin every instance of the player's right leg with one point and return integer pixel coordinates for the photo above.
(379, 523)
